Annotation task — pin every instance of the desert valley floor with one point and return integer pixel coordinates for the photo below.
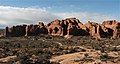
(47, 49)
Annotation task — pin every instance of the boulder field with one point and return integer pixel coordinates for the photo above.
(67, 27)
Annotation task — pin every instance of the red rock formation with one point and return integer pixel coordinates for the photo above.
(55, 28)
(68, 27)
(26, 30)
(114, 26)
(7, 31)
(99, 30)
(94, 29)
(36, 29)
(18, 30)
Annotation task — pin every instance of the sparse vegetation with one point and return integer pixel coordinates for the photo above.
(39, 49)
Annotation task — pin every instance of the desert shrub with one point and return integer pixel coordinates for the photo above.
(105, 57)
(47, 52)
(11, 61)
(14, 52)
(6, 49)
(43, 61)
(113, 49)
(118, 28)
(24, 59)
(37, 52)
(49, 37)
(17, 45)
(6, 44)
(95, 46)
(118, 59)
(86, 55)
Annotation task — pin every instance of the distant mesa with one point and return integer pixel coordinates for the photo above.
(69, 27)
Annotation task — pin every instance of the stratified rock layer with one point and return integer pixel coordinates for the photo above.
(69, 27)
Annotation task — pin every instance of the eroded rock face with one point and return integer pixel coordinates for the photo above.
(114, 28)
(102, 30)
(69, 27)
(94, 29)
(18, 30)
(55, 28)
(32, 30)
(26, 30)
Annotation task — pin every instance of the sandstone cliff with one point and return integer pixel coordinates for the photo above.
(69, 27)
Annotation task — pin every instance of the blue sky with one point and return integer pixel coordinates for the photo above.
(102, 6)
(66, 8)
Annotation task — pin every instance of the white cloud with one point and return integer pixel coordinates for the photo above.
(13, 15)
(86, 16)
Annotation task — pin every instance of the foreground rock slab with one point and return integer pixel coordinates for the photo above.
(7, 59)
(84, 58)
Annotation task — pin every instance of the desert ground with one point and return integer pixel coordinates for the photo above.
(47, 49)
